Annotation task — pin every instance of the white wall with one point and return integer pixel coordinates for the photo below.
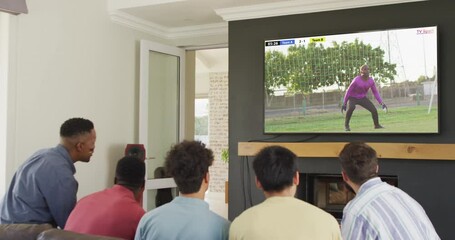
(4, 21)
(202, 85)
(72, 61)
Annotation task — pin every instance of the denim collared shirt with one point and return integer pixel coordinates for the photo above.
(43, 189)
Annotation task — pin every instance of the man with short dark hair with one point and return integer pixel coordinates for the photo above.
(281, 215)
(113, 212)
(379, 210)
(43, 189)
(188, 215)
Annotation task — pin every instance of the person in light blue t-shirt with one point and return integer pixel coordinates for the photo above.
(188, 215)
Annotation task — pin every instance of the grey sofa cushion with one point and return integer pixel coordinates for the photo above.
(58, 234)
(22, 231)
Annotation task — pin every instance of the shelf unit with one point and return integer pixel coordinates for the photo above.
(414, 151)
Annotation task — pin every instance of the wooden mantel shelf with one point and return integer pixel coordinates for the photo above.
(415, 151)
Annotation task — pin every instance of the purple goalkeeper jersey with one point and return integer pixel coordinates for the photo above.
(359, 89)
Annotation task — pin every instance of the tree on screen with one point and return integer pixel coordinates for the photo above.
(276, 73)
(308, 68)
(311, 67)
(352, 55)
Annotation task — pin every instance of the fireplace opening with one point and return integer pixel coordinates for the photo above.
(329, 192)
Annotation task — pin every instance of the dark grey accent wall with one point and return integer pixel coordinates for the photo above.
(429, 182)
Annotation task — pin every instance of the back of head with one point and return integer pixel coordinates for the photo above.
(275, 168)
(188, 162)
(359, 162)
(75, 126)
(130, 172)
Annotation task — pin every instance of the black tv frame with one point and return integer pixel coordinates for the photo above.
(275, 42)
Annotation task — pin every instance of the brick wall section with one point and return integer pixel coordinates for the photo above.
(218, 128)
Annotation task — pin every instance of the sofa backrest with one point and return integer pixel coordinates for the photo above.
(58, 234)
(22, 231)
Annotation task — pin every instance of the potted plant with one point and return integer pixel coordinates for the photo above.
(225, 159)
(225, 155)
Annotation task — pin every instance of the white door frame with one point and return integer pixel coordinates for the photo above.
(145, 48)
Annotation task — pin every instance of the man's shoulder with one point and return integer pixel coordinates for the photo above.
(48, 155)
(93, 197)
(40, 154)
(105, 201)
(250, 213)
(219, 219)
(308, 209)
(111, 195)
(297, 206)
(366, 197)
(357, 78)
(46, 162)
(163, 210)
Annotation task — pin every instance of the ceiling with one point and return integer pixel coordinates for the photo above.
(203, 23)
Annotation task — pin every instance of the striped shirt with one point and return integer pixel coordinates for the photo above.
(381, 211)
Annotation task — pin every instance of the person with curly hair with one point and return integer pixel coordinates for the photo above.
(188, 215)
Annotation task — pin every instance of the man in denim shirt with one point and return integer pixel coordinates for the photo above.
(43, 189)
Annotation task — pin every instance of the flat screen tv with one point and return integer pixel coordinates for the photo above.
(313, 84)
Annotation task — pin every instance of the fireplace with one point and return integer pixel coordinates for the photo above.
(329, 192)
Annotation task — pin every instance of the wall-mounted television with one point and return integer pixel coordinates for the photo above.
(313, 84)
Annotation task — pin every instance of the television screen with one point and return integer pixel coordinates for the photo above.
(367, 82)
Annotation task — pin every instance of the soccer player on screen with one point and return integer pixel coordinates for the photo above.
(357, 95)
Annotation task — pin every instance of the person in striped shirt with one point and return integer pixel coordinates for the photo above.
(379, 210)
(356, 94)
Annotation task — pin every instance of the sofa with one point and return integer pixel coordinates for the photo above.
(43, 232)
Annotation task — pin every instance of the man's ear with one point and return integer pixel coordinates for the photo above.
(296, 178)
(345, 176)
(78, 146)
(258, 184)
(207, 177)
